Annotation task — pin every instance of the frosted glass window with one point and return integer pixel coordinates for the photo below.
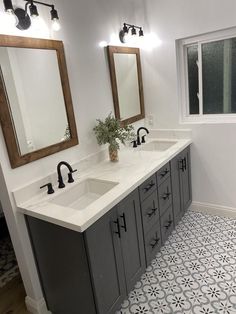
(193, 85)
(207, 77)
(218, 76)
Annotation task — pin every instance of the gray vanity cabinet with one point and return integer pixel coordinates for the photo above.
(63, 268)
(106, 263)
(181, 183)
(93, 272)
(90, 272)
(132, 245)
(116, 253)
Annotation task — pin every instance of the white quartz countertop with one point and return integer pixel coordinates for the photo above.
(133, 168)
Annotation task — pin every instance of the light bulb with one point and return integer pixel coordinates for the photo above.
(35, 22)
(56, 25)
(103, 44)
(11, 18)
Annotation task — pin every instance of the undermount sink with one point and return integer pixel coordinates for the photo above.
(83, 193)
(159, 146)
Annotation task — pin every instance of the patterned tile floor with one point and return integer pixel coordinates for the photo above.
(8, 264)
(195, 271)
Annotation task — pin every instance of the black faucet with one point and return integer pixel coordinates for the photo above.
(70, 177)
(138, 136)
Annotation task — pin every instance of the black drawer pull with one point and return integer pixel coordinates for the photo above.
(169, 223)
(152, 212)
(118, 227)
(154, 243)
(124, 222)
(149, 186)
(164, 173)
(182, 165)
(166, 196)
(185, 163)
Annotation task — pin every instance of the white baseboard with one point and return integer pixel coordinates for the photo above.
(36, 307)
(213, 209)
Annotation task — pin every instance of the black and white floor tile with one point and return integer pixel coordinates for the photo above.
(8, 264)
(194, 273)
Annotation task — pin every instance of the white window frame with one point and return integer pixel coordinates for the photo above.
(182, 78)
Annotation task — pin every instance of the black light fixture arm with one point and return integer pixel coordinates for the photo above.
(131, 26)
(28, 2)
(126, 28)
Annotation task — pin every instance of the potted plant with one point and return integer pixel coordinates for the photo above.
(111, 132)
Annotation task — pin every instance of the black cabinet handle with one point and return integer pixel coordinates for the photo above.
(118, 227)
(154, 243)
(167, 226)
(164, 173)
(124, 222)
(149, 186)
(181, 164)
(185, 163)
(166, 196)
(152, 212)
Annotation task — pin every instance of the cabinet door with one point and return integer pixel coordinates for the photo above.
(176, 188)
(186, 190)
(181, 183)
(131, 239)
(105, 258)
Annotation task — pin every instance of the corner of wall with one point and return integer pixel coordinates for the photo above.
(36, 307)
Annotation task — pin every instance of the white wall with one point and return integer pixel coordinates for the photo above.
(214, 148)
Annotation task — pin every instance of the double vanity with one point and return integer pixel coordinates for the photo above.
(93, 239)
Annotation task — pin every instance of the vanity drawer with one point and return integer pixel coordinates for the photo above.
(148, 187)
(153, 242)
(167, 224)
(150, 211)
(163, 173)
(164, 196)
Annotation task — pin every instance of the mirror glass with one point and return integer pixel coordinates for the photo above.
(34, 91)
(126, 81)
(127, 85)
(36, 110)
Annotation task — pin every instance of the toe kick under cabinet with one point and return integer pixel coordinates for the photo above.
(94, 271)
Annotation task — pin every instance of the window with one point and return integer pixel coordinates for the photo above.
(207, 77)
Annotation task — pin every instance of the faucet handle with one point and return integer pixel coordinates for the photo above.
(143, 139)
(134, 143)
(70, 177)
(49, 186)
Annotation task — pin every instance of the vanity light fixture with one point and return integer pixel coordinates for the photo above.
(125, 31)
(23, 20)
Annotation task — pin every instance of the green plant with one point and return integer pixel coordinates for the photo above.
(110, 131)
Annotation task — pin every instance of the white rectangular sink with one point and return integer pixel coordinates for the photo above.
(159, 146)
(83, 193)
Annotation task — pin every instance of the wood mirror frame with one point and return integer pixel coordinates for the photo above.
(125, 50)
(16, 159)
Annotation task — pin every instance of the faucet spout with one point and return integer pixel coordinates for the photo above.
(138, 136)
(60, 179)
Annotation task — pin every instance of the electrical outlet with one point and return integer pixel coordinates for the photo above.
(150, 119)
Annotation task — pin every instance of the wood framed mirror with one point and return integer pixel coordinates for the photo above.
(36, 110)
(127, 84)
